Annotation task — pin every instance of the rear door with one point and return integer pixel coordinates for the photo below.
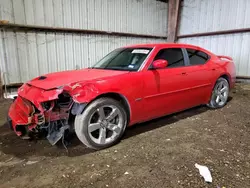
(200, 75)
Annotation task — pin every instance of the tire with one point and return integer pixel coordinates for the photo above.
(104, 117)
(219, 94)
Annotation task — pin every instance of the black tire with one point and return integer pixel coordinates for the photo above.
(212, 103)
(82, 122)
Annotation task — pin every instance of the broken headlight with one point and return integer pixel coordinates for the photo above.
(46, 105)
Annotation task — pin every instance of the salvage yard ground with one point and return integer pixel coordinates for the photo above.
(159, 153)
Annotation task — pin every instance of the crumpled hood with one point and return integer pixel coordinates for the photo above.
(57, 79)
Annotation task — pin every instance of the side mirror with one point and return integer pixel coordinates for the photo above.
(160, 64)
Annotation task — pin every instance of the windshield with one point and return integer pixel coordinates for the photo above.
(127, 59)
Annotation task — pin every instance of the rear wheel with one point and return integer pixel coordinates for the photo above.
(220, 94)
(101, 124)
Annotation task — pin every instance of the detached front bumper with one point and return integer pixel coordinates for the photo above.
(22, 116)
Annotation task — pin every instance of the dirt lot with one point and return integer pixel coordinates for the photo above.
(160, 153)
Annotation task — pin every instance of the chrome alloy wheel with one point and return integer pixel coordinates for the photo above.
(221, 92)
(105, 124)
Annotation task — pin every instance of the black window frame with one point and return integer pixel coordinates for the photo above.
(184, 54)
(188, 60)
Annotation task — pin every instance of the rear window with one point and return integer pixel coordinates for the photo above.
(197, 57)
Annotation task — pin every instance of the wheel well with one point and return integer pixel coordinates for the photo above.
(121, 99)
(226, 77)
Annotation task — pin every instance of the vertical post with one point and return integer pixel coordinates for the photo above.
(1, 86)
(173, 14)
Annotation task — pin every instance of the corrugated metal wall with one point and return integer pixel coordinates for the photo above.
(131, 16)
(27, 55)
(199, 16)
(24, 55)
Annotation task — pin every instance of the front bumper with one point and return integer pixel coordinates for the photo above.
(22, 116)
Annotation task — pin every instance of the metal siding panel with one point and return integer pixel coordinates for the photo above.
(58, 13)
(51, 52)
(39, 17)
(247, 14)
(60, 52)
(133, 11)
(77, 51)
(91, 41)
(48, 13)
(157, 16)
(69, 53)
(212, 15)
(235, 45)
(98, 48)
(124, 18)
(241, 11)
(23, 56)
(244, 58)
(97, 14)
(12, 59)
(129, 16)
(85, 51)
(75, 14)
(110, 16)
(67, 17)
(42, 53)
(83, 14)
(132, 16)
(104, 16)
(2, 55)
(19, 13)
(32, 55)
(91, 14)
(138, 24)
(7, 10)
(29, 12)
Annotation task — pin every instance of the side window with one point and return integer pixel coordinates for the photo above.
(197, 57)
(174, 57)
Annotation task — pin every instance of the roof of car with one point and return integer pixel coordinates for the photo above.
(162, 44)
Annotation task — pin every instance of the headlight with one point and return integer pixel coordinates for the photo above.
(46, 105)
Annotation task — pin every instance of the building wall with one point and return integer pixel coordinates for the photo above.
(132, 16)
(27, 55)
(24, 55)
(199, 16)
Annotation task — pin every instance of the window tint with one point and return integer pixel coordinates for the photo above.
(174, 57)
(197, 57)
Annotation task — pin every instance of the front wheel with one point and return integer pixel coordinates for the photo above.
(220, 94)
(101, 124)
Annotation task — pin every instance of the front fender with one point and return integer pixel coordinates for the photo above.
(82, 93)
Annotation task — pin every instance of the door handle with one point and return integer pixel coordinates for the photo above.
(184, 73)
(213, 69)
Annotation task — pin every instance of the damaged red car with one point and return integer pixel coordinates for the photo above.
(130, 85)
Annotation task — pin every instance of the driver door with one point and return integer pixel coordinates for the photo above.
(166, 90)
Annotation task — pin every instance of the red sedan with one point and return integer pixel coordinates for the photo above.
(130, 85)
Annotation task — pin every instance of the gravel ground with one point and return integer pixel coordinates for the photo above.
(159, 153)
